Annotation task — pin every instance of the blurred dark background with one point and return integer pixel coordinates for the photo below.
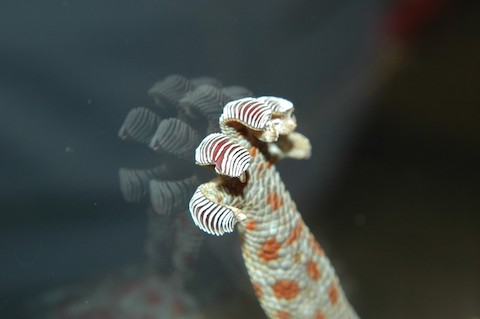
(387, 91)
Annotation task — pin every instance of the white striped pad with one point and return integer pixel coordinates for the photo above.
(139, 125)
(229, 158)
(248, 111)
(278, 105)
(171, 196)
(283, 122)
(175, 137)
(212, 218)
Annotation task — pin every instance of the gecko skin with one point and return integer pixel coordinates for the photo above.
(291, 276)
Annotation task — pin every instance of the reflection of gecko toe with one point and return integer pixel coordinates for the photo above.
(170, 128)
(171, 196)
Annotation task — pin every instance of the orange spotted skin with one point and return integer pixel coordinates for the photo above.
(291, 276)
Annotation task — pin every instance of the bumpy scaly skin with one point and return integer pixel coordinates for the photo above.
(289, 271)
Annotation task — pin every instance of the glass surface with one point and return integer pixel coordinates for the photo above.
(390, 191)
